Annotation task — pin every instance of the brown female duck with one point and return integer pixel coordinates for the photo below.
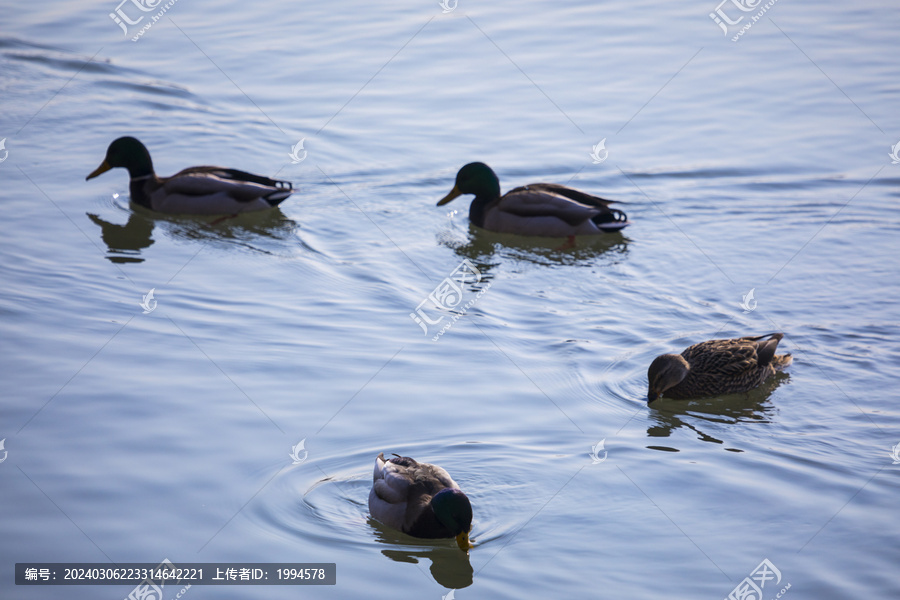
(716, 367)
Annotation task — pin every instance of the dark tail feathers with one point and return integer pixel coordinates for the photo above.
(611, 220)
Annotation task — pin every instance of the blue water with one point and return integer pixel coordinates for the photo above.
(758, 164)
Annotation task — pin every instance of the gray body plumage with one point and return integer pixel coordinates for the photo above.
(209, 191)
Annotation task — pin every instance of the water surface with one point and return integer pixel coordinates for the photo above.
(759, 164)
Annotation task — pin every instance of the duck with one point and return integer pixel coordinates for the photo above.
(537, 209)
(716, 367)
(420, 499)
(192, 191)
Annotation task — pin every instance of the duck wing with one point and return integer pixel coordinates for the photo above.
(732, 357)
(391, 482)
(530, 201)
(570, 193)
(389, 494)
(239, 185)
(402, 473)
(238, 175)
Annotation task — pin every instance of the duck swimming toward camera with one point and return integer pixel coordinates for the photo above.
(716, 367)
(195, 190)
(420, 499)
(537, 209)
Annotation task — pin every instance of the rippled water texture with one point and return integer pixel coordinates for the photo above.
(760, 164)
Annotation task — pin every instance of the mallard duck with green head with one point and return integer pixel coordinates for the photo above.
(716, 367)
(537, 209)
(420, 499)
(195, 190)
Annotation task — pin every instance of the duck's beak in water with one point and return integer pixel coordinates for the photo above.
(462, 540)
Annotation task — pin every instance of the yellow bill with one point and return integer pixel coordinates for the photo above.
(103, 168)
(462, 540)
(454, 193)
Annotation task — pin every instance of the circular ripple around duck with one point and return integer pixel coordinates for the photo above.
(325, 501)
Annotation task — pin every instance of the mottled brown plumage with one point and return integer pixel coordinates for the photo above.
(716, 367)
